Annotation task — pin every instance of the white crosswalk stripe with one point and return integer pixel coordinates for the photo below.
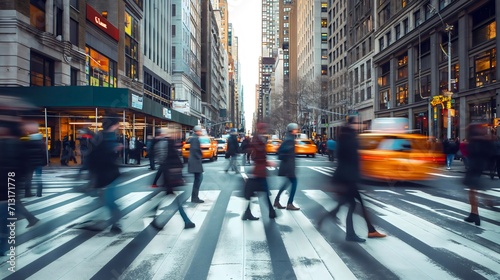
(243, 249)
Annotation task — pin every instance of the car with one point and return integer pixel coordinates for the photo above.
(208, 147)
(305, 147)
(221, 145)
(272, 146)
(398, 154)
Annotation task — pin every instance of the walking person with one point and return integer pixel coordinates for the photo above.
(479, 148)
(195, 164)
(259, 155)
(232, 151)
(346, 178)
(331, 146)
(85, 140)
(245, 150)
(150, 150)
(35, 155)
(104, 168)
(450, 148)
(286, 153)
(171, 168)
(495, 158)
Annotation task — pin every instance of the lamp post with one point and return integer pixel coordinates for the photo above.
(449, 94)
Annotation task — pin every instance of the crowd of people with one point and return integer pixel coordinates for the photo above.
(24, 154)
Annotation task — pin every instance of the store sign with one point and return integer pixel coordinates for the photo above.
(181, 107)
(101, 22)
(167, 113)
(137, 101)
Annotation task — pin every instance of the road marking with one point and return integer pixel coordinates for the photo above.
(443, 175)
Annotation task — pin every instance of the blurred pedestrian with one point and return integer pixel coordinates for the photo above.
(346, 178)
(35, 158)
(495, 158)
(171, 167)
(450, 148)
(104, 168)
(232, 151)
(245, 150)
(85, 140)
(479, 148)
(330, 146)
(259, 156)
(150, 150)
(195, 164)
(465, 154)
(286, 154)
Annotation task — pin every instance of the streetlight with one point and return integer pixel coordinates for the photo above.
(449, 94)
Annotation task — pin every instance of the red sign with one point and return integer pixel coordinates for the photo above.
(102, 23)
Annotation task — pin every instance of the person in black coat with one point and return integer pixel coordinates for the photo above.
(35, 156)
(346, 179)
(286, 153)
(450, 148)
(232, 151)
(479, 149)
(195, 164)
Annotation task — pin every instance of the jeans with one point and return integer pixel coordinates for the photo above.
(293, 181)
(233, 163)
(449, 159)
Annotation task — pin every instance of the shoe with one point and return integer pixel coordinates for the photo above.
(249, 216)
(354, 238)
(189, 225)
(448, 168)
(116, 229)
(473, 218)
(376, 234)
(154, 186)
(197, 200)
(272, 214)
(32, 222)
(292, 207)
(278, 205)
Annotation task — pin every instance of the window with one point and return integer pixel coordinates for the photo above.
(483, 24)
(174, 12)
(403, 67)
(37, 14)
(368, 93)
(381, 43)
(324, 22)
(484, 33)
(173, 29)
(443, 78)
(388, 36)
(384, 15)
(405, 26)
(173, 52)
(397, 29)
(74, 4)
(362, 73)
(402, 95)
(425, 88)
(131, 47)
(102, 71)
(356, 76)
(416, 18)
(74, 77)
(385, 98)
(73, 32)
(59, 22)
(324, 7)
(384, 77)
(484, 68)
(324, 37)
(369, 69)
(41, 70)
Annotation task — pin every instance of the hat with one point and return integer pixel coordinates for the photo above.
(197, 128)
(292, 126)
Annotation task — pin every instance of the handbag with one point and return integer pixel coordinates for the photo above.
(251, 186)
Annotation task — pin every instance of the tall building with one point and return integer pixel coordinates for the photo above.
(338, 84)
(411, 63)
(186, 53)
(360, 52)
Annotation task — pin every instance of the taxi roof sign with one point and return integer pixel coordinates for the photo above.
(398, 125)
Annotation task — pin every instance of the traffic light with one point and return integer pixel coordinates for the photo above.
(496, 122)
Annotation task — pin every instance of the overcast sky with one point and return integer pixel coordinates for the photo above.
(245, 15)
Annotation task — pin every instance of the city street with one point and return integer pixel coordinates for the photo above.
(426, 235)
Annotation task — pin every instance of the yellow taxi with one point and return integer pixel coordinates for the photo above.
(208, 147)
(272, 146)
(305, 147)
(221, 145)
(396, 154)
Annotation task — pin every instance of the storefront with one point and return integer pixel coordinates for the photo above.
(66, 110)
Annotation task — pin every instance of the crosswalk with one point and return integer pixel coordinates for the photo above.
(427, 238)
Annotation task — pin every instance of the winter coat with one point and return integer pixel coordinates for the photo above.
(286, 153)
(34, 150)
(232, 145)
(161, 150)
(450, 147)
(195, 156)
(479, 154)
(258, 150)
(102, 159)
(348, 169)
